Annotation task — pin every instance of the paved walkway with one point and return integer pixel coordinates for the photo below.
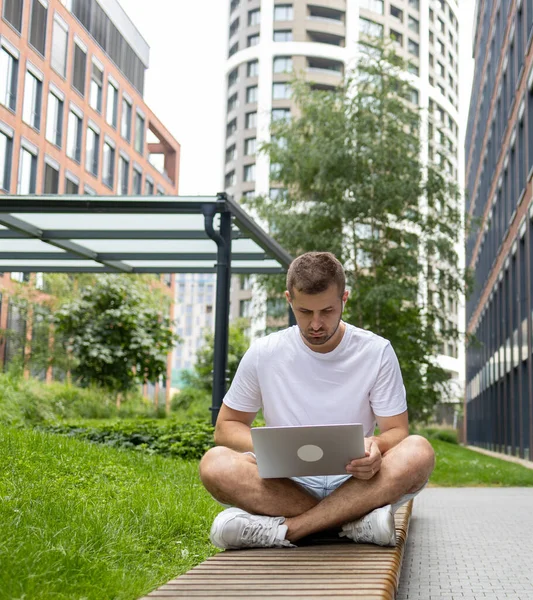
(470, 544)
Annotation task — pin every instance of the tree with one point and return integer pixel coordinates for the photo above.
(116, 333)
(353, 182)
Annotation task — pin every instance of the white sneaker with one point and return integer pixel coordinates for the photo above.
(375, 528)
(234, 528)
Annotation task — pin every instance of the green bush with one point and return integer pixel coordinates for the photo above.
(168, 437)
(439, 433)
(30, 402)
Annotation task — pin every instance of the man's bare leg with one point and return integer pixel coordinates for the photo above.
(232, 478)
(404, 470)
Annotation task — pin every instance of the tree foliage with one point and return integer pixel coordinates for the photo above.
(117, 334)
(354, 183)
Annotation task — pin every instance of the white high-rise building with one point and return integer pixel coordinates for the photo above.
(269, 40)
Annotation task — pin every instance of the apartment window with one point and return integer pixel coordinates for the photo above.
(137, 182)
(414, 4)
(283, 35)
(39, 13)
(233, 77)
(442, 27)
(51, 179)
(281, 114)
(71, 187)
(54, 120)
(74, 136)
(370, 28)
(248, 195)
(283, 12)
(6, 154)
(441, 48)
(92, 147)
(12, 13)
(413, 69)
(397, 37)
(282, 64)
(112, 105)
(229, 179)
(8, 79)
(413, 24)
(431, 15)
(413, 48)
(251, 120)
(108, 166)
(250, 146)
(125, 128)
(252, 68)
(253, 40)
(148, 187)
(281, 91)
(231, 153)
(431, 37)
(396, 13)
(123, 175)
(245, 309)
(139, 133)
(413, 96)
(373, 5)
(95, 93)
(78, 71)
(31, 109)
(234, 27)
(251, 94)
(233, 49)
(249, 172)
(233, 102)
(231, 127)
(440, 69)
(58, 60)
(254, 17)
(27, 172)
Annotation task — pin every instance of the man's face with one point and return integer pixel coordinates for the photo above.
(318, 315)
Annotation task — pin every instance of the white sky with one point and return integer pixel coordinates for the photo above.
(185, 84)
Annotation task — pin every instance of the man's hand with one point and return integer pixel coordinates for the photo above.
(369, 465)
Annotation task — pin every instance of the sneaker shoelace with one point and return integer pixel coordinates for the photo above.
(362, 530)
(259, 533)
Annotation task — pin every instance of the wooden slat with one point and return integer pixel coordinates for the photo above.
(326, 570)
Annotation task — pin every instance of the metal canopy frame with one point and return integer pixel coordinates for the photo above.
(88, 234)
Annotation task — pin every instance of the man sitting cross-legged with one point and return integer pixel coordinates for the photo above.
(322, 371)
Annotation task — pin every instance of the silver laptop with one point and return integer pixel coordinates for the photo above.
(297, 451)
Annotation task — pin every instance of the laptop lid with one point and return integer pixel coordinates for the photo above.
(298, 451)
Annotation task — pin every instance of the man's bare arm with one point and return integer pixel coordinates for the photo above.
(392, 431)
(233, 429)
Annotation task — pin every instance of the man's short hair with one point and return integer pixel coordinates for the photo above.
(314, 272)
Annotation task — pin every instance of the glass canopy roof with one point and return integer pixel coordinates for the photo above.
(131, 234)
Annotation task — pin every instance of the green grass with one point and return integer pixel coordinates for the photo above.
(459, 467)
(80, 520)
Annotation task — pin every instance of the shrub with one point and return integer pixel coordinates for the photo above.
(439, 433)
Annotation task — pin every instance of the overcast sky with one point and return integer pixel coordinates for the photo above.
(185, 82)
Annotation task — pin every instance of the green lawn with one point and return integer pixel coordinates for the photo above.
(80, 520)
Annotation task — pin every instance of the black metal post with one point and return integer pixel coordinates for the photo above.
(223, 266)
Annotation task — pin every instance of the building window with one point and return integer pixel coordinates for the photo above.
(413, 96)
(233, 77)
(12, 13)
(413, 48)
(148, 187)
(253, 40)
(252, 68)
(31, 110)
(413, 69)
(413, 24)
(251, 120)
(229, 179)
(231, 153)
(123, 175)
(51, 179)
(251, 94)
(112, 105)
(58, 59)
(234, 49)
(281, 91)
(250, 146)
(78, 71)
(6, 153)
(283, 12)
(92, 148)
(39, 13)
(373, 5)
(27, 172)
(54, 120)
(281, 114)
(233, 102)
(254, 17)
(95, 93)
(370, 28)
(282, 64)
(108, 167)
(397, 37)
(245, 309)
(414, 4)
(71, 187)
(8, 79)
(396, 13)
(249, 173)
(137, 182)
(231, 127)
(234, 27)
(74, 137)
(125, 128)
(139, 134)
(283, 35)
(441, 48)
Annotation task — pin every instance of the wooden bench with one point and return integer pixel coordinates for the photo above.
(340, 570)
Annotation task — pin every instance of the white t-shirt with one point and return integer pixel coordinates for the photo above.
(293, 385)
